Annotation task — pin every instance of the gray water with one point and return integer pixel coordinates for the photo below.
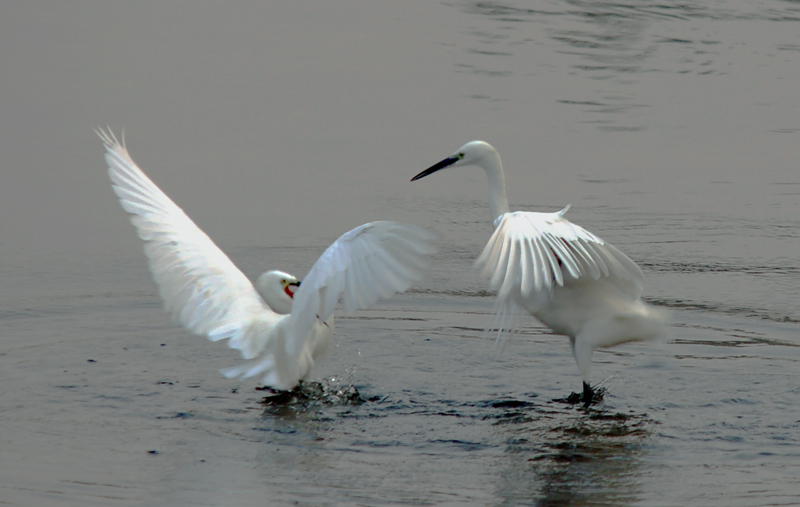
(671, 128)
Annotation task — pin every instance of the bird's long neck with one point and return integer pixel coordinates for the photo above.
(498, 202)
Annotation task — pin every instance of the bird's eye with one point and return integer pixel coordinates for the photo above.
(460, 155)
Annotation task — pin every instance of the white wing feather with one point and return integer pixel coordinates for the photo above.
(200, 287)
(535, 252)
(532, 254)
(371, 262)
(206, 293)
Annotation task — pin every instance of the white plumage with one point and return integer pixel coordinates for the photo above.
(278, 330)
(571, 280)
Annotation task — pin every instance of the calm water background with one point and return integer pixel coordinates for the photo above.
(672, 128)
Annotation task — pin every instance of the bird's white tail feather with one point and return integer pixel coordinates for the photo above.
(265, 343)
(644, 324)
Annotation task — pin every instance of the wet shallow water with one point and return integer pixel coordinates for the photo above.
(672, 129)
(111, 405)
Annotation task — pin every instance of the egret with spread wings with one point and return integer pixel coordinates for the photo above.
(280, 326)
(572, 281)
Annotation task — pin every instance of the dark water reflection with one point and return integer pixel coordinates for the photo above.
(590, 460)
(534, 451)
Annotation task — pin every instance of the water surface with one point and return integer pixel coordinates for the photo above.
(671, 128)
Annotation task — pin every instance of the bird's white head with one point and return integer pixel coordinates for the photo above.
(478, 153)
(481, 154)
(277, 290)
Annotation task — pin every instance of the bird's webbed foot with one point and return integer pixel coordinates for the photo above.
(589, 396)
(280, 397)
(301, 393)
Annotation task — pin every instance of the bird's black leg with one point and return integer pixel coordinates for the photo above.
(588, 395)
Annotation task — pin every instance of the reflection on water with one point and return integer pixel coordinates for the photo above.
(559, 458)
(540, 452)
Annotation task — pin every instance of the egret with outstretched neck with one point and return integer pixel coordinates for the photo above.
(280, 326)
(569, 279)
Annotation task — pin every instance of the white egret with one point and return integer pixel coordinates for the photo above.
(569, 279)
(280, 326)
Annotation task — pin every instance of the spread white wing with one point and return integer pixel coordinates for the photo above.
(535, 252)
(371, 262)
(200, 287)
(206, 293)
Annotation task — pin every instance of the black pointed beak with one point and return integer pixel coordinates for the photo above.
(290, 293)
(435, 167)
